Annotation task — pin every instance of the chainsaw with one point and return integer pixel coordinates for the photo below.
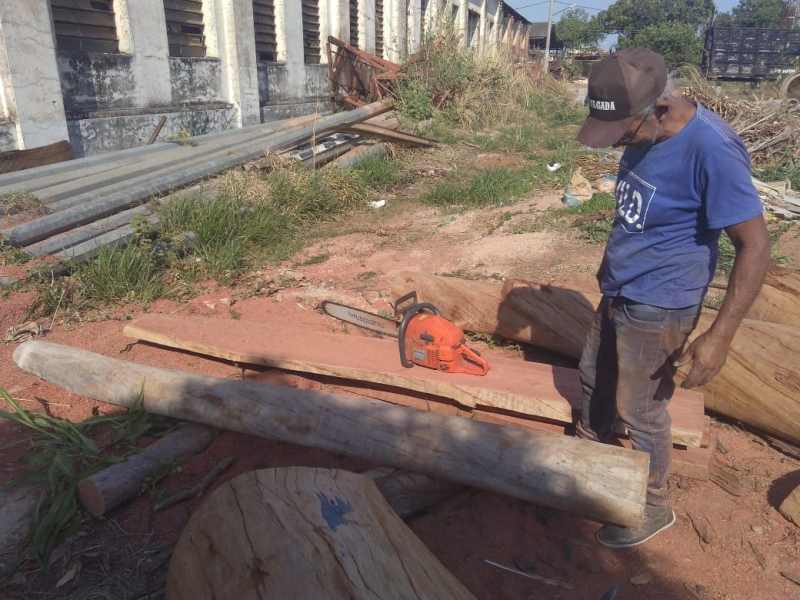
(425, 337)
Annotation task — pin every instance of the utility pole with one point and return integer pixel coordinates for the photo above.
(546, 58)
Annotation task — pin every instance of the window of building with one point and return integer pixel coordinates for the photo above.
(85, 26)
(266, 33)
(354, 23)
(185, 30)
(311, 44)
(473, 20)
(379, 28)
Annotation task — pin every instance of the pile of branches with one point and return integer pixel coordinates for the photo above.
(770, 130)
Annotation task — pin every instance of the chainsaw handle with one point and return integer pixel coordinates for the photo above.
(401, 332)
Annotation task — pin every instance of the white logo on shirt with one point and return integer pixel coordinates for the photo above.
(633, 199)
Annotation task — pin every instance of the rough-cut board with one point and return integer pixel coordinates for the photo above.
(18, 160)
(303, 533)
(597, 481)
(759, 385)
(522, 387)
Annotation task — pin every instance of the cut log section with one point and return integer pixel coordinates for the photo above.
(303, 533)
(759, 385)
(521, 387)
(410, 493)
(790, 507)
(596, 481)
(120, 482)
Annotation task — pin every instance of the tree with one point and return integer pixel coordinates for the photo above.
(759, 13)
(670, 27)
(677, 42)
(627, 17)
(576, 29)
(724, 20)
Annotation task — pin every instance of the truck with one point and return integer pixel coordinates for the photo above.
(750, 54)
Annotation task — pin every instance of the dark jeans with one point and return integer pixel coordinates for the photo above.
(626, 371)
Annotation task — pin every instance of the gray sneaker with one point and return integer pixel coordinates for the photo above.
(615, 536)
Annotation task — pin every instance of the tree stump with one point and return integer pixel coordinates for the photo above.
(303, 533)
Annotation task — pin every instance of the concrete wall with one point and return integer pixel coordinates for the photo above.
(103, 102)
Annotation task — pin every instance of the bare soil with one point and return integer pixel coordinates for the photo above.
(747, 543)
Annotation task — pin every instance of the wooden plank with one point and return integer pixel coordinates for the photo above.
(17, 160)
(595, 480)
(513, 385)
(759, 384)
(313, 533)
(693, 463)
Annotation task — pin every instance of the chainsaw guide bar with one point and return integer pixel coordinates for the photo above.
(361, 318)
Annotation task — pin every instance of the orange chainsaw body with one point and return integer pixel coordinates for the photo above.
(429, 340)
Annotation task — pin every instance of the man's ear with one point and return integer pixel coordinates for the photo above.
(662, 108)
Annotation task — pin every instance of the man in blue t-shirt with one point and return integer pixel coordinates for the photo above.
(684, 177)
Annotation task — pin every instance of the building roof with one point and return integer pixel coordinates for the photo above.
(517, 17)
(539, 30)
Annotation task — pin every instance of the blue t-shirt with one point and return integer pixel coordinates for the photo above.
(673, 200)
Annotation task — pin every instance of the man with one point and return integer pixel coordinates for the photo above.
(684, 177)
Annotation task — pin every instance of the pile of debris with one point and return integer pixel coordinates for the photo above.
(770, 130)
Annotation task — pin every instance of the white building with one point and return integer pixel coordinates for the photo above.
(101, 73)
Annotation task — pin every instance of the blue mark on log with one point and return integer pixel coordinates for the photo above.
(333, 511)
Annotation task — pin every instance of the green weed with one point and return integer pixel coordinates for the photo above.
(380, 172)
(316, 259)
(121, 275)
(63, 453)
(487, 188)
(20, 202)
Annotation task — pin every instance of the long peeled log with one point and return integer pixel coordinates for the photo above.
(759, 385)
(596, 481)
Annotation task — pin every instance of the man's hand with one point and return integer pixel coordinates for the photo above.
(707, 355)
(709, 351)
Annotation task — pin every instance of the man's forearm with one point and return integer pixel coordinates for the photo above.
(749, 270)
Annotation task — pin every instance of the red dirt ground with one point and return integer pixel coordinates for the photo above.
(749, 542)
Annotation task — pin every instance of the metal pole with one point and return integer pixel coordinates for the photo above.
(546, 58)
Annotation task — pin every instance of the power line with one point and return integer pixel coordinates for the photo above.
(557, 2)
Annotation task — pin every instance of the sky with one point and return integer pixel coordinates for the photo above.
(536, 10)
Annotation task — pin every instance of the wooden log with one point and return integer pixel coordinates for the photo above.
(790, 507)
(687, 461)
(120, 482)
(523, 387)
(779, 300)
(410, 493)
(759, 385)
(303, 533)
(590, 479)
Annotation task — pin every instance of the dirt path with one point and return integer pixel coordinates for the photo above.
(747, 542)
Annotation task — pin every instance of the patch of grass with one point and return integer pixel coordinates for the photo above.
(20, 202)
(594, 231)
(487, 188)
(316, 259)
(380, 172)
(121, 275)
(504, 218)
(366, 276)
(10, 255)
(63, 453)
